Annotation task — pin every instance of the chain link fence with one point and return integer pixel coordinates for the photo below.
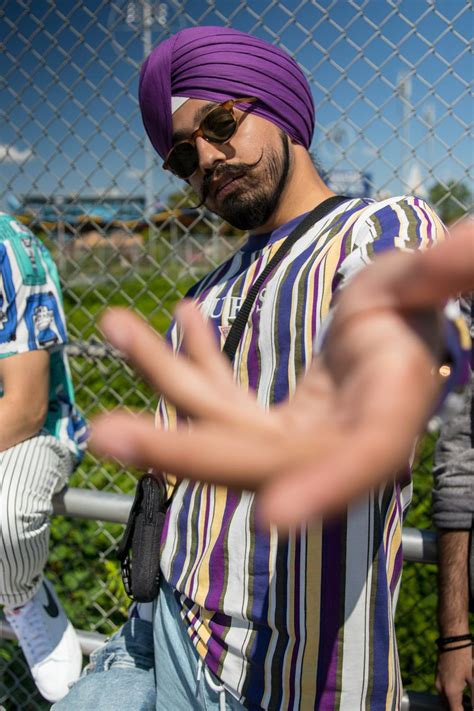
(392, 87)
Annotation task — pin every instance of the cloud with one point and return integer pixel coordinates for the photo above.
(137, 173)
(372, 151)
(113, 191)
(10, 154)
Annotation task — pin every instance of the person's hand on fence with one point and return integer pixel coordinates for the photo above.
(354, 416)
(454, 672)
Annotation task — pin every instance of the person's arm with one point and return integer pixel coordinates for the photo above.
(31, 323)
(453, 512)
(354, 416)
(454, 668)
(25, 381)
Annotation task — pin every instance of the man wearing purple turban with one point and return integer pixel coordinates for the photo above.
(247, 617)
(270, 97)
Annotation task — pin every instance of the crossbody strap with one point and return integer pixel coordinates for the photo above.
(235, 334)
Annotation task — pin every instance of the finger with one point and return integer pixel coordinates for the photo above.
(448, 268)
(365, 445)
(203, 452)
(326, 486)
(179, 380)
(199, 343)
(454, 699)
(415, 280)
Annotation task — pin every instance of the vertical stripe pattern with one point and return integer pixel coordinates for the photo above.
(303, 622)
(30, 473)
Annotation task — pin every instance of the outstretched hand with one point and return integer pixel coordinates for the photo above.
(354, 416)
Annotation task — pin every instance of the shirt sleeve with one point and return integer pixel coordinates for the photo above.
(406, 223)
(453, 494)
(31, 310)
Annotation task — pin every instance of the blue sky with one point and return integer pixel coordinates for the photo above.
(384, 73)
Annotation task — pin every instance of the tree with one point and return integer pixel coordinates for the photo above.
(183, 198)
(452, 200)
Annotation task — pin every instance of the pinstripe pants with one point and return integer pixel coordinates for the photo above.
(30, 473)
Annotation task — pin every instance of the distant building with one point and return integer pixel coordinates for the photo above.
(74, 210)
(82, 213)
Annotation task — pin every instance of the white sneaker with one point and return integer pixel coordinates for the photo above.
(48, 641)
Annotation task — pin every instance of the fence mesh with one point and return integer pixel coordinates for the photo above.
(392, 87)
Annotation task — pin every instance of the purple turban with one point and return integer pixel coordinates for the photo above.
(218, 63)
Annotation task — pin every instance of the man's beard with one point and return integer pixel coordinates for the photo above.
(251, 205)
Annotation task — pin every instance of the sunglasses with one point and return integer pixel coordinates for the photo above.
(217, 126)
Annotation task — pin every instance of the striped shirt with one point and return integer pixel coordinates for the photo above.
(32, 318)
(307, 621)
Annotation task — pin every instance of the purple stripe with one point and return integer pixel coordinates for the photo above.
(207, 507)
(429, 222)
(286, 299)
(219, 557)
(332, 592)
(398, 562)
(182, 526)
(394, 518)
(252, 363)
(397, 570)
(216, 647)
(164, 531)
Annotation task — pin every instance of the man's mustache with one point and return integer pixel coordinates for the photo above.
(228, 172)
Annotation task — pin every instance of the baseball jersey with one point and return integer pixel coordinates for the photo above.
(304, 621)
(32, 318)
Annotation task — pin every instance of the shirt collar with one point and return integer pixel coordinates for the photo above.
(256, 242)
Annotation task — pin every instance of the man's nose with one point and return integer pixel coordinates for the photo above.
(209, 153)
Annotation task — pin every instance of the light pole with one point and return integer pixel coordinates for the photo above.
(404, 92)
(149, 158)
(140, 16)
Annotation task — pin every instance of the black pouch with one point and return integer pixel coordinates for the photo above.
(139, 547)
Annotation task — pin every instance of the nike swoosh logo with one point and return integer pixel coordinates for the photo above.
(51, 608)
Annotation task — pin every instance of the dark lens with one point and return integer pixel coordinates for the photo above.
(183, 159)
(219, 125)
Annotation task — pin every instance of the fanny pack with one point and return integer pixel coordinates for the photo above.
(139, 547)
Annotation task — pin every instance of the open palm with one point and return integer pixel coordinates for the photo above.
(354, 416)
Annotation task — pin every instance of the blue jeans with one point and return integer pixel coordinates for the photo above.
(183, 683)
(144, 667)
(120, 674)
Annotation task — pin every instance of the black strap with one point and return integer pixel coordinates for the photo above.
(235, 334)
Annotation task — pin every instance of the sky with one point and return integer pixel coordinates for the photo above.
(391, 81)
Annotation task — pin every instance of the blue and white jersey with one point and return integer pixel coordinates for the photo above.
(32, 318)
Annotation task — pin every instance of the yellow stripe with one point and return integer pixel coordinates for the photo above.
(313, 600)
(331, 258)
